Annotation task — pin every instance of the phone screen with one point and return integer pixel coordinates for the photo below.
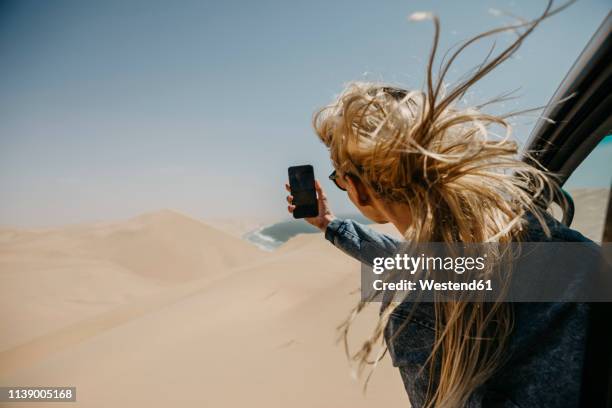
(301, 181)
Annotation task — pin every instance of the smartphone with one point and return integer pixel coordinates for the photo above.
(301, 181)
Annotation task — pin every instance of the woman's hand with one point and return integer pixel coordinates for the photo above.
(325, 214)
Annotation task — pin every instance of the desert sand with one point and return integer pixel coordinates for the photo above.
(163, 310)
(591, 209)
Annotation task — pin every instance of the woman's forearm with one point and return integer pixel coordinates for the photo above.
(359, 241)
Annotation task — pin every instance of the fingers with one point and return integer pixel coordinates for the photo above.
(289, 199)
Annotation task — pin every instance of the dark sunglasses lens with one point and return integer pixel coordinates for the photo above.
(334, 177)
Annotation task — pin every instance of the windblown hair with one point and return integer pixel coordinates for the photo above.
(460, 181)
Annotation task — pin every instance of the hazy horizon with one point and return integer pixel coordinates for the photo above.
(114, 109)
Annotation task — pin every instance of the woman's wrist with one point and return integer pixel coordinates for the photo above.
(326, 220)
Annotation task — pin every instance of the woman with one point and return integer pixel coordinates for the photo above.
(438, 173)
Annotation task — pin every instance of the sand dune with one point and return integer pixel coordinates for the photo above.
(163, 310)
(52, 278)
(237, 227)
(590, 216)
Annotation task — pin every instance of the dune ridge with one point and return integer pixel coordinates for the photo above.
(164, 310)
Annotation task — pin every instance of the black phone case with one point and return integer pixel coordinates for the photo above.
(301, 210)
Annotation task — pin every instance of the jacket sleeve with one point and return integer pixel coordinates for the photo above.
(359, 241)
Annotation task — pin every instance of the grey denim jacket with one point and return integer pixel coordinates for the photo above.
(545, 353)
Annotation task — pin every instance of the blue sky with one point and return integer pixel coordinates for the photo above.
(114, 108)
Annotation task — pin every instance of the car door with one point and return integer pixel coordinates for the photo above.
(582, 124)
(578, 147)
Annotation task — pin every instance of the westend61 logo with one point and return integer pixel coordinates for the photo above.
(412, 264)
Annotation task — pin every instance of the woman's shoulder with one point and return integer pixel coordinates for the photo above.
(558, 232)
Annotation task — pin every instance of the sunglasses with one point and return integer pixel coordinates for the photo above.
(334, 177)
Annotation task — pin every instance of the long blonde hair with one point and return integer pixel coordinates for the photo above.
(461, 183)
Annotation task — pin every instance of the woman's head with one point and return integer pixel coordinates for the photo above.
(362, 196)
(449, 173)
(442, 169)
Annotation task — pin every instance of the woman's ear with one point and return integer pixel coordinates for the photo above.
(360, 191)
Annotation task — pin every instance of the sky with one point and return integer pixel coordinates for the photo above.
(115, 108)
